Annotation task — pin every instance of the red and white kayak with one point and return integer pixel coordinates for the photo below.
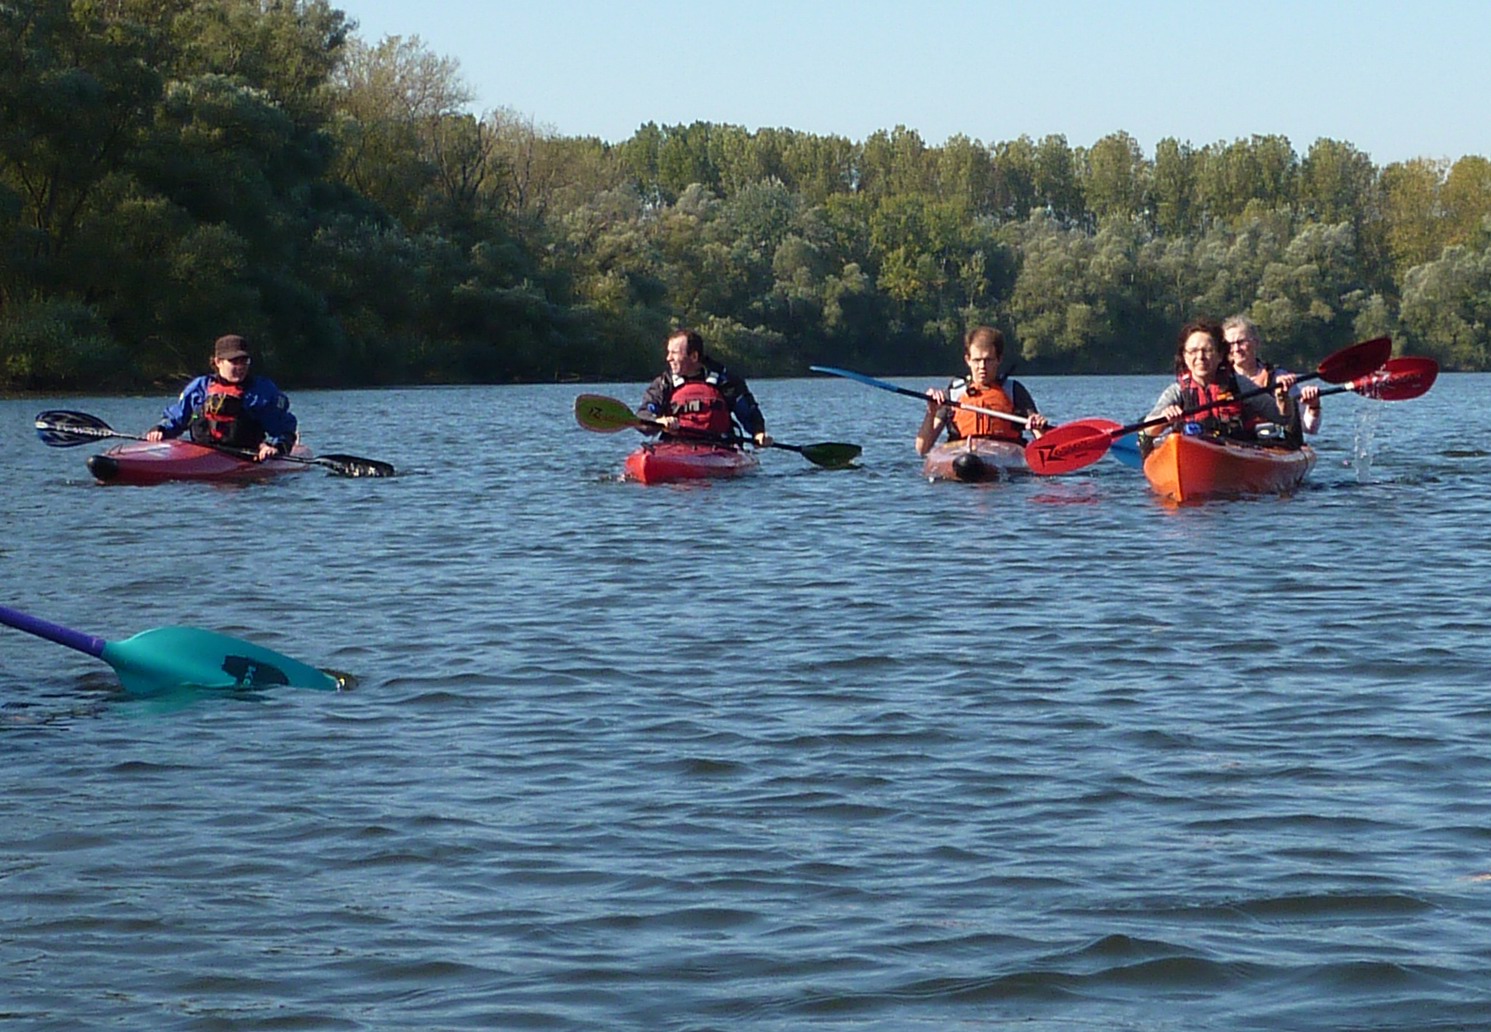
(664, 462)
(146, 462)
(975, 459)
(1184, 469)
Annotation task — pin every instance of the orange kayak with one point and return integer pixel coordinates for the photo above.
(975, 459)
(1184, 469)
(664, 462)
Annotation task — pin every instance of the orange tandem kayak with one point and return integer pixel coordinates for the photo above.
(1184, 469)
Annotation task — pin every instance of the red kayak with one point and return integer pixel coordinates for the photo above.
(145, 462)
(1184, 469)
(664, 462)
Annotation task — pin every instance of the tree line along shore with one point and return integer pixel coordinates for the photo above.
(173, 171)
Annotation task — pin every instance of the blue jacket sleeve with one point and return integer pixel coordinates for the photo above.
(743, 404)
(177, 416)
(269, 405)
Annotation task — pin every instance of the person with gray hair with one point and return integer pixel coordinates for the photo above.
(1296, 410)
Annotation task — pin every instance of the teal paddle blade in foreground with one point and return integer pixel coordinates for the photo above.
(168, 658)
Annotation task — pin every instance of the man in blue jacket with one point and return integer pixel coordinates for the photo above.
(231, 407)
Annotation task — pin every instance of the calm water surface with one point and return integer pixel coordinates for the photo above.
(806, 750)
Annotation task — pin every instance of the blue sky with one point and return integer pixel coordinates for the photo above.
(1398, 80)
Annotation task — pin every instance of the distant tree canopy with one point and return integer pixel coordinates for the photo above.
(174, 169)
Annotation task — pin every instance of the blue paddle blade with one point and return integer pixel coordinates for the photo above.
(1126, 450)
(167, 658)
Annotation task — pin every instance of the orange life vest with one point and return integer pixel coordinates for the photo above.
(700, 407)
(976, 424)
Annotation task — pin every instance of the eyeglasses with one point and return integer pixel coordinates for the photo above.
(1241, 342)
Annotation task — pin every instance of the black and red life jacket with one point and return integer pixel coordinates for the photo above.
(1225, 416)
(223, 420)
(700, 407)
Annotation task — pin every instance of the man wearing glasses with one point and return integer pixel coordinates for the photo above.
(231, 407)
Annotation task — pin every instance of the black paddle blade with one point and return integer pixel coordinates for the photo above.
(830, 454)
(352, 466)
(63, 428)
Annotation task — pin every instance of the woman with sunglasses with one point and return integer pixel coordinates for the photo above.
(231, 407)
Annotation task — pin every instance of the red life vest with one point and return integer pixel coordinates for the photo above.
(1218, 417)
(700, 407)
(222, 419)
(976, 424)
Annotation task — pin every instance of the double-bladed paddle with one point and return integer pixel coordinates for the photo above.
(62, 428)
(1349, 363)
(1073, 442)
(1072, 446)
(608, 415)
(907, 392)
(1124, 449)
(168, 658)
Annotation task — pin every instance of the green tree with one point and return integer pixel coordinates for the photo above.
(1412, 215)
(1056, 183)
(394, 99)
(1116, 179)
(1446, 310)
(963, 172)
(1337, 183)
(1174, 188)
(1465, 198)
(1015, 176)
(1304, 299)
(1260, 171)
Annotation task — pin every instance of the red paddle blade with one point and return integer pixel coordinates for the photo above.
(1356, 360)
(1398, 380)
(1068, 447)
(1107, 426)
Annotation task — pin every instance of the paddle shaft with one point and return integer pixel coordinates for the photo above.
(93, 646)
(347, 465)
(1359, 384)
(870, 381)
(1244, 396)
(726, 440)
(608, 415)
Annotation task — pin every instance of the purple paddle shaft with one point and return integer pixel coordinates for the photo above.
(52, 632)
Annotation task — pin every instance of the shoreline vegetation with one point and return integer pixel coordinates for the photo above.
(171, 172)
